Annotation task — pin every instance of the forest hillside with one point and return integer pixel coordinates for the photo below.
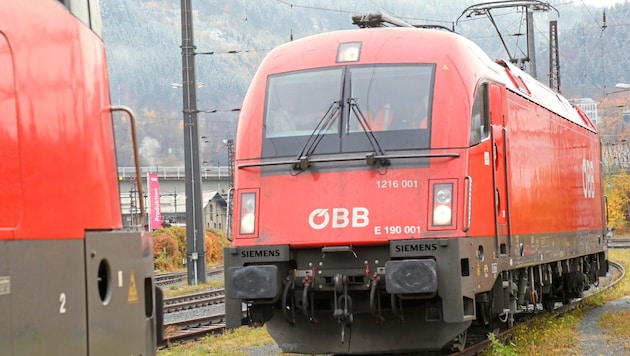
(143, 41)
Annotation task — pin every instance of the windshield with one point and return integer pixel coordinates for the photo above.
(340, 105)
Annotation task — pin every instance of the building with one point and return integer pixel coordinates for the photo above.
(173, 210)
(214, 211)
(216, 183)
(589, 106)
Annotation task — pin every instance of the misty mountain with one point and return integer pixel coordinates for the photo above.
(232, 37)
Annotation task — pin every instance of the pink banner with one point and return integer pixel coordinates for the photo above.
(154, 198)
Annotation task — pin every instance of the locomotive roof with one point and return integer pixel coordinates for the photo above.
(418, 45)
(524, 84)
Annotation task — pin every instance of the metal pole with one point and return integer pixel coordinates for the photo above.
(195, 246)
(230, 148)
(531, 47)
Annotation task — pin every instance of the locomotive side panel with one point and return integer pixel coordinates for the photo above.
(10, 214)
(47, 315)
(6, 340)
(63, 289)
(121, 305)
(553, 196)
(49, 310)
(66, 107)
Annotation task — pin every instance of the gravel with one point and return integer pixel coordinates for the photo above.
(592, 338)
(266, 350)
(193, 313)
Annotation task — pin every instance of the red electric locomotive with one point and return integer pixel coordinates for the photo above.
(71, 283)
(394, 186)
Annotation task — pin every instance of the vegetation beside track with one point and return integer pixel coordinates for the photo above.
(177, 290)
(169, 247)
(553, 335)
(234, 342)
(617, 190)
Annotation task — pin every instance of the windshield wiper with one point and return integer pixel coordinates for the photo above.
(350, 159)
(316, 136)
(377, 156)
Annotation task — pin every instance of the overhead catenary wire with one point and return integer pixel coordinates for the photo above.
(341, 9)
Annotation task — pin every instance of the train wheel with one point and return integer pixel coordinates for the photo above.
(548, 302)
(458, 344)
(565, 299)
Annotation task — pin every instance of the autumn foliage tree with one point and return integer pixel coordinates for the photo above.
(618, 201)
(165, 252)
(614, 130)
(169, 247)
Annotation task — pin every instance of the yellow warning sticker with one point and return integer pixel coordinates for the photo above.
(133, 291)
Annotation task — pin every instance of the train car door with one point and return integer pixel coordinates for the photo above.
(497, 107)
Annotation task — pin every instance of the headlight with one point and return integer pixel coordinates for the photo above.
(349, 52)
(248, 223)
(442, 204)
(248, 213)
(442, 215)
(443, 196)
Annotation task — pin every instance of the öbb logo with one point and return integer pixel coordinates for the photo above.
(341, 217)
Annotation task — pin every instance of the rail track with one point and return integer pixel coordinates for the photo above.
(167, 279)
(195, 328)
(191, 329)
(172, 278)
(195, 300)
(619, 242)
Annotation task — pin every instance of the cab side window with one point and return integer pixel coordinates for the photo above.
(480, 119)
(87, 11)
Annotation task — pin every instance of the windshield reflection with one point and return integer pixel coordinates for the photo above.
(395, 101)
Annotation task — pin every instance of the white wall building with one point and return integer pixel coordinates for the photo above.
(589, 106)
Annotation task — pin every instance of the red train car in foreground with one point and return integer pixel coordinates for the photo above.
(395, 186)
(71, 283)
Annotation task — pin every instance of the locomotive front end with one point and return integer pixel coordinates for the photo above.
(350, 202)
(354, 299)
(386, 197)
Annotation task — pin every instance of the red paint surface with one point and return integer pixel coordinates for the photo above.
(58, 163)
(546, 143)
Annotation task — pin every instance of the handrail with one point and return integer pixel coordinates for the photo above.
(136, 159)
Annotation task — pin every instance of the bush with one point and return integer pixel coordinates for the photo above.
(215, 242)
(166, 252)
(164, 264)
(169, 247)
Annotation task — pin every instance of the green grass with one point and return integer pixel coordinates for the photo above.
(232, 343)
(177, 290)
